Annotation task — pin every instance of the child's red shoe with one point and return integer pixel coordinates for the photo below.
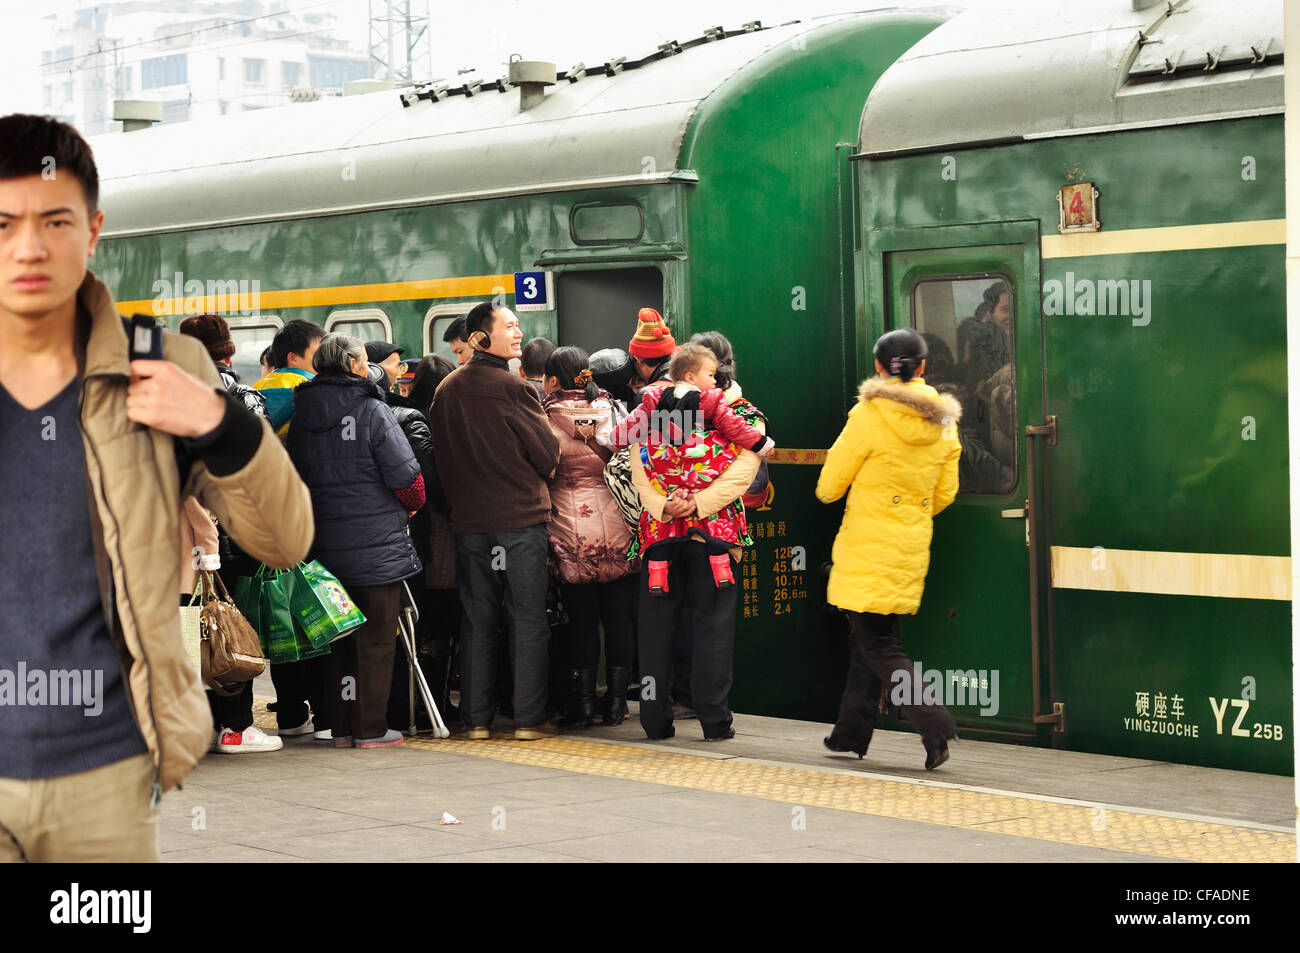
(721, 566)
(658, 572)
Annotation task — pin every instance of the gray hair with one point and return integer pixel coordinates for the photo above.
(337, 352)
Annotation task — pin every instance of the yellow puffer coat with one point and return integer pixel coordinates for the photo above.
(897, 457)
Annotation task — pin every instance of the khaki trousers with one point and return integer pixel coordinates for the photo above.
(97, 815)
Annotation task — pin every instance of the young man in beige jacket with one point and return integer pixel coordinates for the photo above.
(100, 711)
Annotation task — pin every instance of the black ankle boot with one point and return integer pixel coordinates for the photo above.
(570, 713)
(586, 709)
(616, 680)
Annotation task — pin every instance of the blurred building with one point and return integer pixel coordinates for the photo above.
(199, 58)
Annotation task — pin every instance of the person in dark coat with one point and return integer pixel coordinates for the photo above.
(496, 451)
(365, 483)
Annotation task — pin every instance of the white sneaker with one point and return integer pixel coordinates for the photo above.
(326, 735)
(304, 729)
(249, 740)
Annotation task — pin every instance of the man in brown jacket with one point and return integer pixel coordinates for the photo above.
(96, 453)
(495, 451)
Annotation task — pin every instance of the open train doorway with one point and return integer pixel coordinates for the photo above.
(597, 309)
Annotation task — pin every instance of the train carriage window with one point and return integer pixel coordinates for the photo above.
(368, 324)
(969, 325)
(250, 341)
(436, 321)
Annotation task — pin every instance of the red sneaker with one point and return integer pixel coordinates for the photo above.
(658, 571)
(721, 566)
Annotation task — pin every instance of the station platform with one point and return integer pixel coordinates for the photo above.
(771, 794)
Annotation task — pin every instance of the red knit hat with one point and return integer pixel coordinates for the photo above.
(652, 339)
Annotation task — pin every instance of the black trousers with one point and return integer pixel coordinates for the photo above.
(495, 573)
(435, 635)
(235, 711)
(296, 685)
(712, 615)
(875, 654)
(591, 603)
(362, 664)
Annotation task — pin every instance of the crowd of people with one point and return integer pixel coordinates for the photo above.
(527, 509)
(505, 498)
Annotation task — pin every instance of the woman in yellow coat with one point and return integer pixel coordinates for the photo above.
(897, 459)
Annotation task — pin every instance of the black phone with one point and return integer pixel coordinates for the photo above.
(144, 337)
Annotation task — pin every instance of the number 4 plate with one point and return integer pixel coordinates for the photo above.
(1078, 208)
(533, 291)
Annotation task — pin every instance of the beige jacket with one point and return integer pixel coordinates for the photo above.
(727, 488)
(135, 486)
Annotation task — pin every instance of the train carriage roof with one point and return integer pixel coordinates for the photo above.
(1062, 67)
(370, 151)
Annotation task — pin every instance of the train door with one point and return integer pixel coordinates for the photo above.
(597, 307)
(978, 309)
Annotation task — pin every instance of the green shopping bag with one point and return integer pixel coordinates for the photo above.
(322, 608)
(247, 596)
(279, 641)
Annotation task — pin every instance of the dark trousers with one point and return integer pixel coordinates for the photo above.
(591, 603)
(234, 711)
(712, 614)
(509, 567)
(296, 685)
(683, 647)
(363, 664)
(875, 654)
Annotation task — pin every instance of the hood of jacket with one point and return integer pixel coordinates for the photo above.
(323, 401)
(914, 410)
(578, 418)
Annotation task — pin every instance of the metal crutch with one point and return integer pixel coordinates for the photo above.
(406, 621)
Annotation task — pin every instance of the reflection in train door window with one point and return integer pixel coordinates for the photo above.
(969, 326)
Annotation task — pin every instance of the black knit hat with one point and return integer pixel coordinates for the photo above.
(377, 351)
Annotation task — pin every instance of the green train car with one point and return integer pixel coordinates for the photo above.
(736, 183)
(1113, 180)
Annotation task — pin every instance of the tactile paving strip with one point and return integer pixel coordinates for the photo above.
(1076, 824)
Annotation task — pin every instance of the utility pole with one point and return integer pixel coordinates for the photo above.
(396, 28)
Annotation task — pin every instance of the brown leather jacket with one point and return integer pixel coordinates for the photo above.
(135, 487)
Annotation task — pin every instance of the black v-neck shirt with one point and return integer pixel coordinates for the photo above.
(63, 705)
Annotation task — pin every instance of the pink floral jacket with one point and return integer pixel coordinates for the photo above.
(589, 540)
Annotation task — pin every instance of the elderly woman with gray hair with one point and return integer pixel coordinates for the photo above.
(365, 483)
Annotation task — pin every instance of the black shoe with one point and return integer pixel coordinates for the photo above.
(667, 734)
(936, 753)
(616, 680)
(726, 735)
(833, 745)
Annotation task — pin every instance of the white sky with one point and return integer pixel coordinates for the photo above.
(481, 34)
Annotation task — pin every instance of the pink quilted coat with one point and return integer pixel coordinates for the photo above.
(589, 540)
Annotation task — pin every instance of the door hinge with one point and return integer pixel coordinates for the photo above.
(1056, 719)
(1047, 430)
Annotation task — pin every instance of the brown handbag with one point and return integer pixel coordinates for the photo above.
(230, 652)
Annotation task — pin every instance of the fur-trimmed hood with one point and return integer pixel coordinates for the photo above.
(914, 410)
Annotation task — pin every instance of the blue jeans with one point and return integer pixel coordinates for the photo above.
(495, 572)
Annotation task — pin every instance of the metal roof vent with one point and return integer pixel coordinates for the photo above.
(137, 113)
(532, 77)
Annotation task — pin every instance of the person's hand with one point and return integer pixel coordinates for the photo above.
(678, 505)
(166, 397)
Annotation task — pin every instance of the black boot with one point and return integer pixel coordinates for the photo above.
(569, 713)
(586, 697)
(616, 681)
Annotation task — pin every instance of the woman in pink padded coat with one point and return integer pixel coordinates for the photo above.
(589, 542)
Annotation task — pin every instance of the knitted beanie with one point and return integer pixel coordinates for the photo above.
(213, 331)
(652, 339)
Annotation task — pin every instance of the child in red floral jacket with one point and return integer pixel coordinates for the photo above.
(688, 435)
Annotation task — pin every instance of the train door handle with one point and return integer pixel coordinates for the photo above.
(1022, 514)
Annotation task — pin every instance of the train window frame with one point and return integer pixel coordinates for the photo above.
(253, 322)
(455, 309)
(1009, 487)
(360, 314)
(588, 242)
